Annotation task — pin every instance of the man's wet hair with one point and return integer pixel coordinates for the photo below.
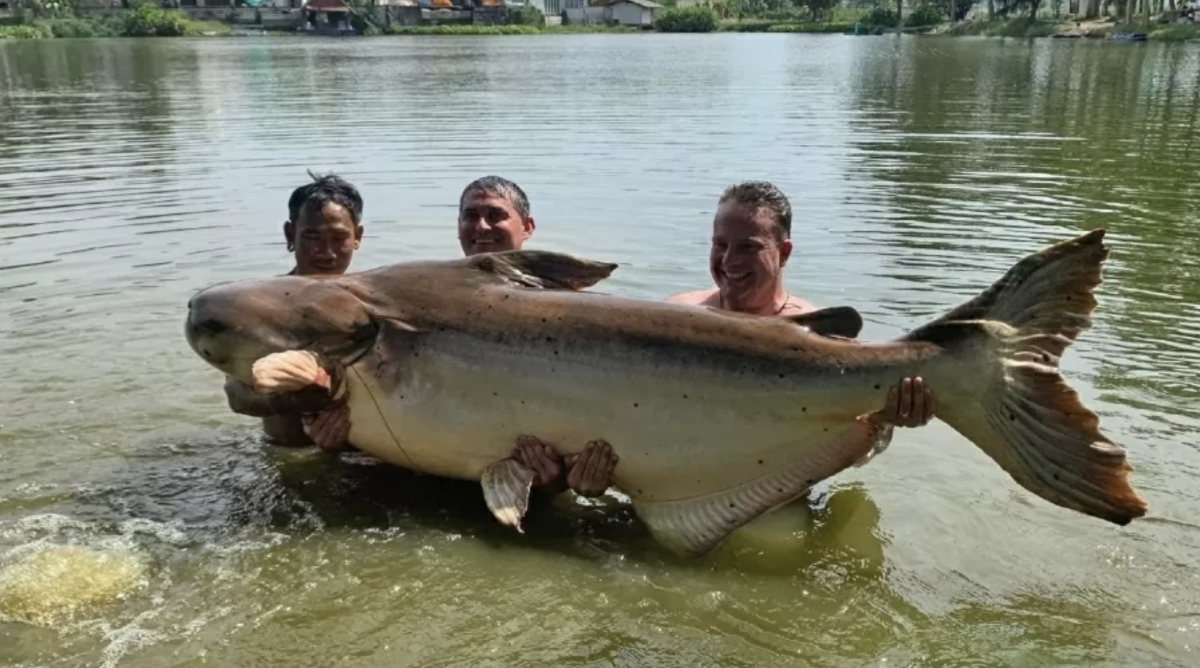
(763, 195)
(322, 190)
(501, 187)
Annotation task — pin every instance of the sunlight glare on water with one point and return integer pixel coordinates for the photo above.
(919, 169)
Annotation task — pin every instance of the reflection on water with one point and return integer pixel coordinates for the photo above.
(919, 170)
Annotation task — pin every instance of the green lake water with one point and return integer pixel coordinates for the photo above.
(143, 524)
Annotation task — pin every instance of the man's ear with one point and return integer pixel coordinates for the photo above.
(785, 251)
(289, 233)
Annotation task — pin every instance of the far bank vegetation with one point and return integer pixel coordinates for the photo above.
(1156, 19)
(1161, 19)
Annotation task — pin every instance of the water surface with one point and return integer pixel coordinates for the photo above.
(143, 524)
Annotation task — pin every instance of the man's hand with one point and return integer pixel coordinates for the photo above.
(590, 472)
(910, 404)
(329, 429)
(541, 459)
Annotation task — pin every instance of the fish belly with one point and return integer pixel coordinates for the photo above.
(457, 404)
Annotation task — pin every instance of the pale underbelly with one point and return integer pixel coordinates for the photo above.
(676, 437)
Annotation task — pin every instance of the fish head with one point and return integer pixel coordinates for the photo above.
(233, 325)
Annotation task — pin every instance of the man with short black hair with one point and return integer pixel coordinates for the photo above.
(323, 231)
(324, 226)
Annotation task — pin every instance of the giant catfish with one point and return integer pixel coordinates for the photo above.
(716, 417)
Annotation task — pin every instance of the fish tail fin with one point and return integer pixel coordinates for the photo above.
(1021, 412)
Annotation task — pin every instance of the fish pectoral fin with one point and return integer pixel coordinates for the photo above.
(836, 321)
(544, 270)
(693, 527)
(506, 486)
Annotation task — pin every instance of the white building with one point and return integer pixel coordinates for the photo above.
(640, 13)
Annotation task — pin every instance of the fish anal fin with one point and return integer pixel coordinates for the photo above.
(693, 527)
(506, 486)
(544, 270)
(836, 321)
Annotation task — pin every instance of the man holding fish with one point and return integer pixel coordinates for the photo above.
(720, 416)
(751, 245)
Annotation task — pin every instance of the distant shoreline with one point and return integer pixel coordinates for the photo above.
(154, 22)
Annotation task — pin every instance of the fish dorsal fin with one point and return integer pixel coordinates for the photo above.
(543, 270)
(836, 322)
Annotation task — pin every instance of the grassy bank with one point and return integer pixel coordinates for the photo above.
(1174, 33)
(142, 21)
(1022, 27)
(504, 30)
(1025, 27)
(784, 26)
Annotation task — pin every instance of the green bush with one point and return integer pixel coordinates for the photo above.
(151, 21)
(141, 21)
(687, 19)
(753, 25)
(26, 31)
(1179, 32)
(881, 16)
(73, 27)
(812, 27)
(924, 15)
(462, 30)
(526, 15)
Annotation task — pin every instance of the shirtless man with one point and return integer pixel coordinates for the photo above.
(751, 245)
(323, 230)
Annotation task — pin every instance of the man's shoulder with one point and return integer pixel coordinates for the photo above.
(699, 297)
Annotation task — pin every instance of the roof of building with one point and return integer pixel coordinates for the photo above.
(640, 3)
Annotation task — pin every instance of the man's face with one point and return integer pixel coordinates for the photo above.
(489, 223)
(324, 239)
(747, 256)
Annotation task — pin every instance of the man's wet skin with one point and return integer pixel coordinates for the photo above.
(323, 231)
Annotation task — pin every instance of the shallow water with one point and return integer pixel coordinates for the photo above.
(136, 172)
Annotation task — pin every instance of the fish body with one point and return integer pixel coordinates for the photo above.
(716, 417)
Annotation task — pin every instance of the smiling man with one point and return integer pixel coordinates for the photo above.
(493, 216)
(323, 231)
(751, 245)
